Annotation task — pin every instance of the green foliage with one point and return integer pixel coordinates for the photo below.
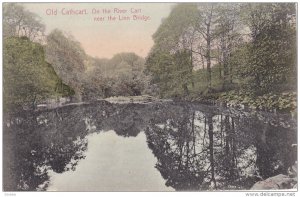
(286, 101)
(159, 64)
(249, 48)
(172, 28)
(173, 73)
(240, 53)
(28, 78)
(271, 54)
(62, 89)
(183, 75)
(122, 75)
(68, 59)
(170, 62)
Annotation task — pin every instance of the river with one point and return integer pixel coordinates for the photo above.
(159, 146)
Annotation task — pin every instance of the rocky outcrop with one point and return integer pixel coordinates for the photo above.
(279, 181)
(276, 182)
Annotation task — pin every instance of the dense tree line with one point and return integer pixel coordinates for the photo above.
(200, 50)
(28, 79)
(39, 66)
(248, 48)
(122, 75)
(94, 78)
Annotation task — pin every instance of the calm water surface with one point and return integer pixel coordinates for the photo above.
(145, 147)
(112, 163)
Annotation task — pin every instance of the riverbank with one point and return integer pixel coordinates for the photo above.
(134, 99)
(282, 103)
(68, 101)
(285, 102)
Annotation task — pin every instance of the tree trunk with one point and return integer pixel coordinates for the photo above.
(211, 149)
(191, 69)
(208, 48)
(193, 133)
(208, 56)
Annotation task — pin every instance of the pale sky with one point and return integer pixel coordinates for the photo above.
(105, 38)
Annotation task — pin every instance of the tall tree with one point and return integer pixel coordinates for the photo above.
(17, 21)
(68, 59)
(205, 27)
(183, 75)
(175, 32)
(228, 36)
(160, 65)
(272, 58)
(173, 39)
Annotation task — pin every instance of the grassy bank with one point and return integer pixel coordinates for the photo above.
(273, 102)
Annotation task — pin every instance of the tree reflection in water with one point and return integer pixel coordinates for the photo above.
(35, 145)
(55, 140)
(204, 151)
(197, 147)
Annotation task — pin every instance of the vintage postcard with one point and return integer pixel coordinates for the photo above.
(149, 97)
